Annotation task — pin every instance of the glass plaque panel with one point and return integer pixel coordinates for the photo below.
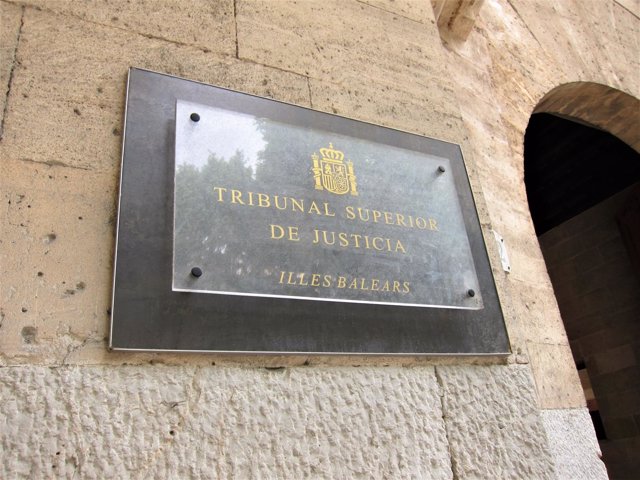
(265, 208)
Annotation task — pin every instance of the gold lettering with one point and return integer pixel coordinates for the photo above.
(250, 198)
(275, 200)
(375, 244)
(293, 234)
(400, 247)
(432, 225)
(263, 200)
(220, 191)
(305, 279)
(326, 240)
(400, 219)
(376, 216)
(314, 209)
(421, 223)
(315, 236)
(297, 204)
(274, 229)
(356, 239)
(327, 211)
(388, 218)
(278, 233)
(350, 213)
(344, 241)
(236, 197)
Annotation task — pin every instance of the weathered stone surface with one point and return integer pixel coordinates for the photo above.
(61, 156)
(55, 216)
(573, 444)
(588, 40)
(597, 105)
(79, 112)
(456, 18)
(10, 20)
(213, 422)
(432, 116)
(209, 26)
(535, 305)
(518, 52)
(332, 41)
(556, 377)
(506, 440)
(418, 11)
(633, 6)
(376, 60)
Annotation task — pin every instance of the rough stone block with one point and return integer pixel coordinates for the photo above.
(190, 422)
(573, 444)
(505, 436)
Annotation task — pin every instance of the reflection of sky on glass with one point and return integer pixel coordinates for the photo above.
(225, 132)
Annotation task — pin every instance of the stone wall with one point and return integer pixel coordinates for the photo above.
(70, 407)
(599, 297)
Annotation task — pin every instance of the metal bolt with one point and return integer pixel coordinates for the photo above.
(441, 169)
(471, 292)
(195, 117)
(196, 272)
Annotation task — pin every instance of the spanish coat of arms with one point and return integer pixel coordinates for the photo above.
(332, 174)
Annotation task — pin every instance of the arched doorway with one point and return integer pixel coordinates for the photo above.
(582, 173)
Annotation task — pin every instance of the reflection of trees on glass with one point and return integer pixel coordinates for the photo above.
(232, 241)
(203, 229)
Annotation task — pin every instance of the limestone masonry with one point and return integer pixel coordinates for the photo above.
(471, 72)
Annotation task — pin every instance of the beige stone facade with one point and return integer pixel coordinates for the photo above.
(469, 72)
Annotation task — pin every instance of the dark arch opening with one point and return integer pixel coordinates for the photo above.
(583, 187)
(570, 167)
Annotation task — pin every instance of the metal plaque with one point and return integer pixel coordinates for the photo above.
(238, 214)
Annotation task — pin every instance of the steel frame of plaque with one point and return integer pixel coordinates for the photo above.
(263, 250)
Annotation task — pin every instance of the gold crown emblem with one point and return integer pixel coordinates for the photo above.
(330, 173)
(331, 154)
